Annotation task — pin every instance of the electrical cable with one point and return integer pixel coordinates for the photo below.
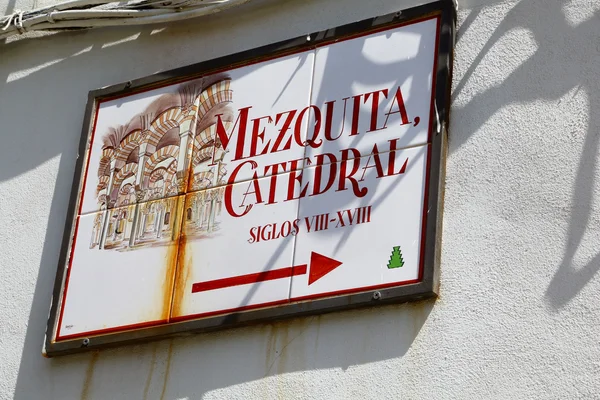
(101, 13)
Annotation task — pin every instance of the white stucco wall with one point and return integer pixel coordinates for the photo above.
(519, 311)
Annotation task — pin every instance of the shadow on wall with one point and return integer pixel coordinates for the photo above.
(50, 76)
(557, 67)
(199, 365)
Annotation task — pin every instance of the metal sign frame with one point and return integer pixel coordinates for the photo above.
(427, 287)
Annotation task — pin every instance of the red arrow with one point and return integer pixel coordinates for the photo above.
(319, 267)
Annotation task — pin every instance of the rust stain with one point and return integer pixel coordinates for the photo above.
(318, 332)
(176, 271)
(276, 356)
(189, 177)
(182, 274)
(167, 370)
(188, 180)
(177, 258)
(171, 261)
(271, 347)
(151, 372)
(89, 374)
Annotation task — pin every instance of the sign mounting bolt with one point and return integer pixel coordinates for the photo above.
(376, 295)
(85, 342)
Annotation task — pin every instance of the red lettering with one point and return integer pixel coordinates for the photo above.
(401, 109)
(258, 134)
(312, 142)
(229, 190)
(224, 138)
(329, 117)
(319, 172)
(295, 175)
(286, 126)
(377, 165)
(345, 175)
(273, 184)
(256, 192)
(264, 229)
(287, 225)
(375, 107)
(296, 227)
(355, 114)
(252, 235)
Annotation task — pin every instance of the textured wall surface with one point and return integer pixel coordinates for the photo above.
(519, 311)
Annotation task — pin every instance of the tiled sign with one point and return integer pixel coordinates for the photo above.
(249, 188)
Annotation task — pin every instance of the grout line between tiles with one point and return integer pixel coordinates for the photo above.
(310, 93)
(131, 205)
(304, 167)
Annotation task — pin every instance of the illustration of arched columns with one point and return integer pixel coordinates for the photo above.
(146, 221)
(109, 202)
(104, 172)
(117, 176)
(126, 194)
(160, 211)
(203, 171)
(194, 215)
(186, 136)
(143, 156)
(208, 152)
(123, 157)
(97, 230)
(113, 171)
(200, 209)
(208, 157)
(167, 153)
(169, 119)
(215, 207)
(144, 152)
(129, 170)
(120, 229)
(157, 181)
(171, 180)
(140, 224)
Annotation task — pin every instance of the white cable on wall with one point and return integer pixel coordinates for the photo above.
(99, 13)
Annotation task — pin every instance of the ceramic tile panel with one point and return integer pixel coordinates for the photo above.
(385, 101)
(123, 260)
(141, 147)
(256, 186)
(252, 121)
(363, 231)
(237, 247)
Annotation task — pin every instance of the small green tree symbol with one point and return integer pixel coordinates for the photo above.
(396, 260)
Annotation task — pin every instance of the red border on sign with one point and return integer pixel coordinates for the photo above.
(117, 329)
(123, 328)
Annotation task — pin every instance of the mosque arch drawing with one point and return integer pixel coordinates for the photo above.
(163, 152)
